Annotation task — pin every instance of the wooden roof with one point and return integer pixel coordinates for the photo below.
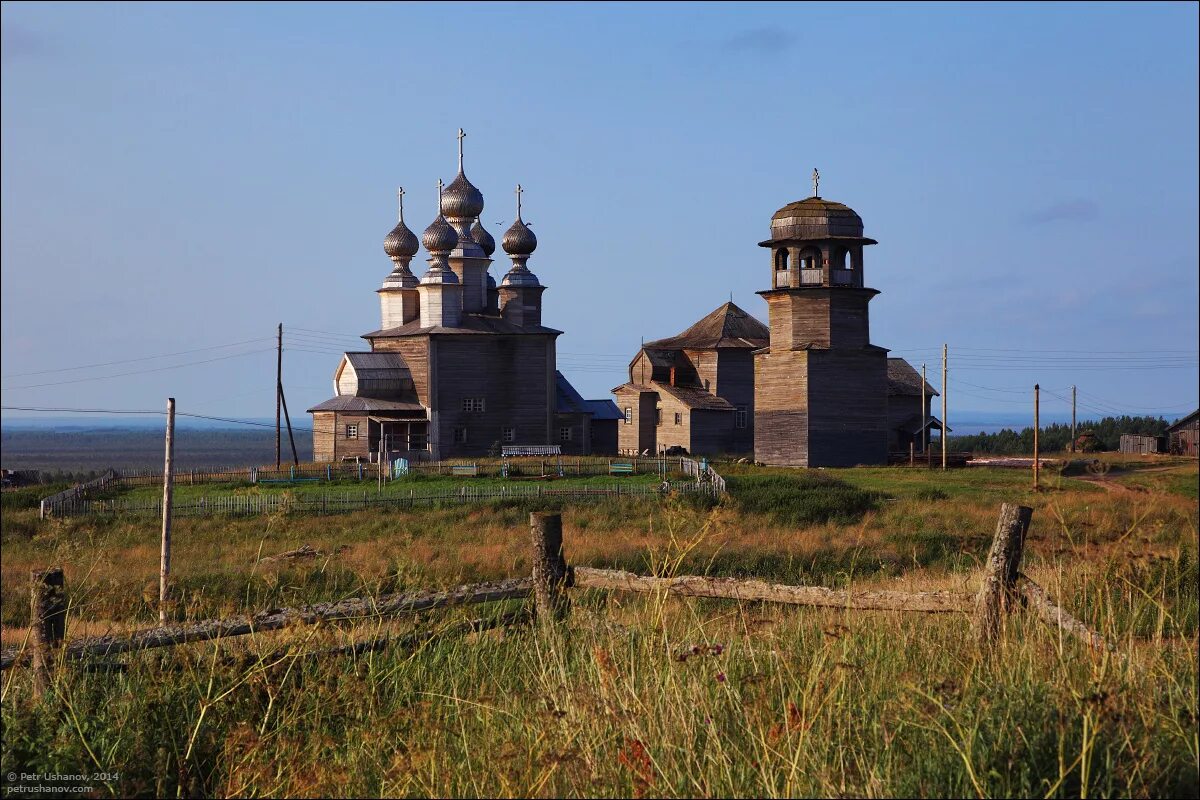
(726, 326)
(348, 402)
(569, 401)
(604, 409)
(690, 396)
(470, 324)
(1183, 422)
(904, 380)
(379, 366)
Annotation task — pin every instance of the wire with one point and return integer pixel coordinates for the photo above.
(138, 372)
(131, 360)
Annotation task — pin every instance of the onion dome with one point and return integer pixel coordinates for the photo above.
(815, 218)
(401, 242)
(519, 240)
(461, 199)
(439, 237)
(483, 238)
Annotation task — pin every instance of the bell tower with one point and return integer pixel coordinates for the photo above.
(820, 388)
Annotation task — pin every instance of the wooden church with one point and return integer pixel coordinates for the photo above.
(809, 388)
(460, 365)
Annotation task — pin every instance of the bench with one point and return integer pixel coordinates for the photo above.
(465, 469)
(620, 468)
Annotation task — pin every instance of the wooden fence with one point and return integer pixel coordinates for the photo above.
(1003, 590)
(78, 500)
(74, 495)
(336, 503)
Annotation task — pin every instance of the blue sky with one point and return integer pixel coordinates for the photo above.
(178, 177)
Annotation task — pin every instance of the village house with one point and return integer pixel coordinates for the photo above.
(460, 365)
(808, 388)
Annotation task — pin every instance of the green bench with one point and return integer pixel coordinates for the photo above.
(620, 468)
(465, 469)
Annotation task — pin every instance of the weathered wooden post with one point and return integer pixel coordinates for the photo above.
(998, 588)
(47, 622)
(551, 575)
(164, 561)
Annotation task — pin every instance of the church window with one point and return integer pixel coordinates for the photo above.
(658, 415)
(509, 434)
(351, 431)
(460, 435)
(678, 418)
(628, 415)
(781, 259)
(740, 416)
(473, 405)
(564, 434)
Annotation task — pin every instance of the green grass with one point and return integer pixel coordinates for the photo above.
(795, 702)
(634, 698)
(399, 487)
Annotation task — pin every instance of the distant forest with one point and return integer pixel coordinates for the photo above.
(1056, 438)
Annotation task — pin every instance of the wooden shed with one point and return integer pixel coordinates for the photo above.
(1135, 443)
(1183, 438)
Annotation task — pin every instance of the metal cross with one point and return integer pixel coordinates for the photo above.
(461, 135)
(816, 181)
(439, 197)
(519, 192)
(400, 195)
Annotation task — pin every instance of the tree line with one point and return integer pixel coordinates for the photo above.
(1094, 435)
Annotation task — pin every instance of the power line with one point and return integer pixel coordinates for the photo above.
(131, 360)
(138, 372)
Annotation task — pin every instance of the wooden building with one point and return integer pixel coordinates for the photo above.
(460, 366)
(908, 422)
(694, 391)
(807, 389)
(1131, 443)
(1183, 437)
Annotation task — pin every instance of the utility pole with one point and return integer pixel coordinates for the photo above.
(1072, 419)
(278, 388)
(164, 564)
(1036, 425)
(945, 391)
(924, 418)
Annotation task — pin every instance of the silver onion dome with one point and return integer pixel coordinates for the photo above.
(483, 238)
(401, 242)
(461, 199)
(439, 237)
(519, 240)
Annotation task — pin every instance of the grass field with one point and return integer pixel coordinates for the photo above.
(642, 696)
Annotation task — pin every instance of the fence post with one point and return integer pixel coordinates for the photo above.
(551, 575)
(997, 589)
(47, 622)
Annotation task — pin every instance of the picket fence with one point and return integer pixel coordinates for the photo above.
(331, 503)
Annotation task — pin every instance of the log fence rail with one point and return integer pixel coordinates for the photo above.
(1004, 589)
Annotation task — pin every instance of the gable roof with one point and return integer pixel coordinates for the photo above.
(725, 326)
(694, 398)
(349, 402)
(568, 400)
(604, 409)
(379, 366)
(1183, 422)
(904, 380)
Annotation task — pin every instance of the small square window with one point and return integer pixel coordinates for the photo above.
(460, 435)
(474, 405)
(564, 434)
(678, 418)
(351, 431)
(628, 415)
(509, 434)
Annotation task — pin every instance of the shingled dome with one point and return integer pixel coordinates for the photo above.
(815, 218)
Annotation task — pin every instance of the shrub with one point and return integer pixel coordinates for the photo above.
(801, 498)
